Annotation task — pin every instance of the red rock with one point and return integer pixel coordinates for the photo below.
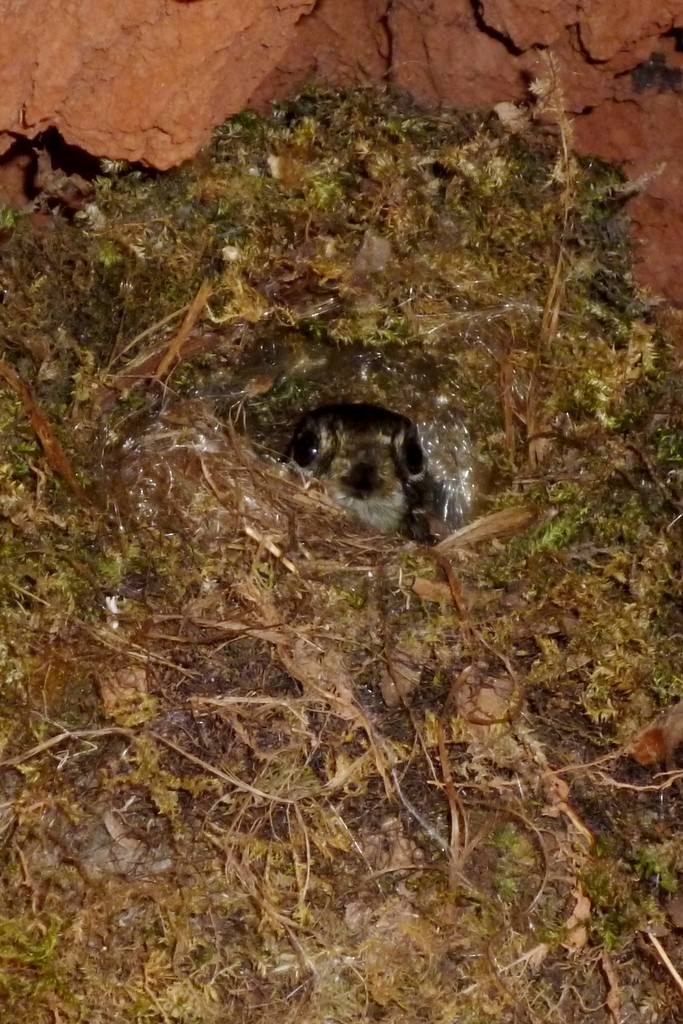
(606, 31)
(441, 57)
(325, 48)
(136, 79)
(148, 80)
(526, 25)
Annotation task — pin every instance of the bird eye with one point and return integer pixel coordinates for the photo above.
(305, 448)
(413, 454)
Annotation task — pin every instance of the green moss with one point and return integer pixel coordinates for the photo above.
(619, 909)
(659, 865)
(29, 961)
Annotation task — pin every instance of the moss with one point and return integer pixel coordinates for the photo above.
(659, 864)
(29, 952)
(619, 910)
(233, 822)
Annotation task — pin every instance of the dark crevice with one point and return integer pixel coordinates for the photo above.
(483, 26)
(578, 43)
(677, 35)
(385, 24)
(63, 158)
(68, 158)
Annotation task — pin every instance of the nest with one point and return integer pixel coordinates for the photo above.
(260, 762)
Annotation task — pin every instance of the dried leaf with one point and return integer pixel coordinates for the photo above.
(401, 676)
(577, 932)
(558, 794)
(483, 701)
(390, 849)
(120, 833)
(658, 742)
(432, 590)
(505, 523)
(613, 1000)
(260, 384)
(120, 683)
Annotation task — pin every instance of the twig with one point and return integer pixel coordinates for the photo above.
(118, 354)
(428, 829)
(664, 957)
(63, 737)
(670, 779)
(182, 334)
(244, 787)
(89, 734)
(265, 542)
(54, 453)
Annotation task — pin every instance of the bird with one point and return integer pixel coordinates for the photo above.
(370, 461)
